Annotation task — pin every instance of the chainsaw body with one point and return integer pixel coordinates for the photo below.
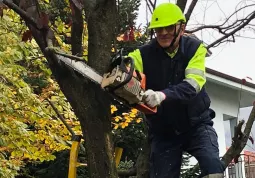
(127, 84)
(122, 81)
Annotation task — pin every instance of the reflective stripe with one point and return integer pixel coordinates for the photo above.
(193, 83)
(195, 71)
(196, 66)
(136, 55)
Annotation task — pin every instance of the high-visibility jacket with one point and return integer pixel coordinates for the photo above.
(181, 77)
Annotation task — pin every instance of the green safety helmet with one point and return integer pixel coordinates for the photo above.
(166, 14)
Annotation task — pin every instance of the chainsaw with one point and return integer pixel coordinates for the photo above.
(122, 81)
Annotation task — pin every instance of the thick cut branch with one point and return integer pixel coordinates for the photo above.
(239, 141)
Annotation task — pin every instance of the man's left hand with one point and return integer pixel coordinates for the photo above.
(153, 98)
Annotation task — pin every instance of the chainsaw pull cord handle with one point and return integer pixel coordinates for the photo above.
(123, 66)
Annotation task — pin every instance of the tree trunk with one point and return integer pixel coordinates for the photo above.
(89, 102)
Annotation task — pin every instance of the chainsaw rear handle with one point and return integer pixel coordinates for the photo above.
(145, 109)
(125, 61)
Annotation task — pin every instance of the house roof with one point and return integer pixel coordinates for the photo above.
(230, 78)
(248, 156)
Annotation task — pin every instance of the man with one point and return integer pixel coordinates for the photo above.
(174, 66)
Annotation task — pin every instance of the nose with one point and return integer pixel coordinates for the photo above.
(163, 31)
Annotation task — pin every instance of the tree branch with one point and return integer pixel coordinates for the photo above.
(125, 173)
(190, 10)
(77, 28)
(246, 22)
(148, 5)
(239, 141)
(221, 26)
(151, 4)
(61, 117)
(182, 4)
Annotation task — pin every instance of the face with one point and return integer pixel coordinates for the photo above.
(165, 35)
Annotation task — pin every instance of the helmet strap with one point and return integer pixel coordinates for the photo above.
(176, 34)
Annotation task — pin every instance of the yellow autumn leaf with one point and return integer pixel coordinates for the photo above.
(123, 125)
(132, 115)
(117, 119)
(26, 155)
(128, 120)
(133, 110)
(138, 120)
(13, 154)
(16, 106)
(116, 126)
(51, 146)
(113, 109)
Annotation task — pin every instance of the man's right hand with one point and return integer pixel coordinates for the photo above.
(153, 98)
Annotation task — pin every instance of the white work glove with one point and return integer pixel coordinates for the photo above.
(153, 98)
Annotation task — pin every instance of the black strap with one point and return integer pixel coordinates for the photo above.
(175, 36)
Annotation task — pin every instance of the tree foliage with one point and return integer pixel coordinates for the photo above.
(30, 130)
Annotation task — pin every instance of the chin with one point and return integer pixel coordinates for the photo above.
(164, 44)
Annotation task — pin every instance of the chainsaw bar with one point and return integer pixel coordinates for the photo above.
(82, 68)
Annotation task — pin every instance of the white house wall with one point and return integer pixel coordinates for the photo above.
(224, 100)
(225, 96)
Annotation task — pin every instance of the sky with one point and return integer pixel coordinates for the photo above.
(235, 59)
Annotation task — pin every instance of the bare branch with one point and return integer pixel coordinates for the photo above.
(148, 5)
(221, 26)
(246, 22)
(239, 141)
(240, 138)
(61, 117)
(190, 10)
(151, 5)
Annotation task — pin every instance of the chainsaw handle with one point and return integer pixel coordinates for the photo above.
(123, 66)
(145, 109)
